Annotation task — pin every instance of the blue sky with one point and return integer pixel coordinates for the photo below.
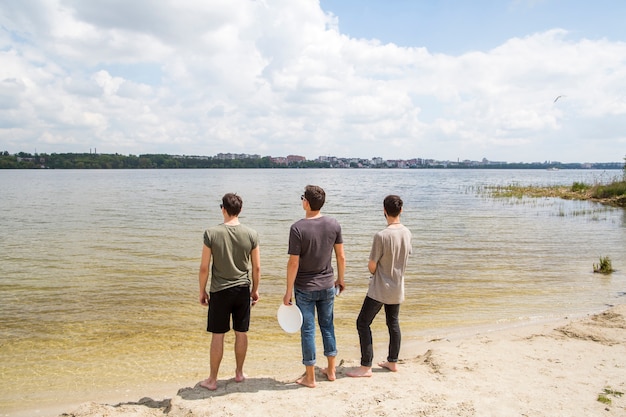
(457, 26)
(445, 80)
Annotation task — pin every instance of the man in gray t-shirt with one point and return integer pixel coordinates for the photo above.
(388, 258)
(312, 241)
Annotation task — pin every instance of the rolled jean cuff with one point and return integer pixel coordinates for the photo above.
(313, 362)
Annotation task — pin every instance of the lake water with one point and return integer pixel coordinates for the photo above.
(98, 269)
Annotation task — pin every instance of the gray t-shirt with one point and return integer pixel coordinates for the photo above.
(230, 250)
(390, 249)
(313, 240)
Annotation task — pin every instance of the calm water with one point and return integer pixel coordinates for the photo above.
(98, 269)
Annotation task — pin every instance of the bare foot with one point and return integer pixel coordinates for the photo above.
(209, 383)
(329, 374)
(392, 366)
(303, 380)
(360, 372)
(240, 377)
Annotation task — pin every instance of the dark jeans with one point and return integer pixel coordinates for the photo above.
(368, 312)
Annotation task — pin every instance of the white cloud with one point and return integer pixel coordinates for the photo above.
(276, 77)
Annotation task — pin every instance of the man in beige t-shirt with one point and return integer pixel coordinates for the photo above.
(388, 258)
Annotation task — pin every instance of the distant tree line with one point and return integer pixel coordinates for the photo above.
(24, 160)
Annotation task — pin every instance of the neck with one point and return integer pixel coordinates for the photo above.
(393, 220)
(231, 221)
(310, 214)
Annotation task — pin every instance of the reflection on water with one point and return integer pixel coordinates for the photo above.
(98, 271)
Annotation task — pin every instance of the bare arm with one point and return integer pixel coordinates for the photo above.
(255, 257)
(203, 274)
(371, 265)
(292, 270)
(341, 266)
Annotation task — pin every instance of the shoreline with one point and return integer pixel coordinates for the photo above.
(556, 366)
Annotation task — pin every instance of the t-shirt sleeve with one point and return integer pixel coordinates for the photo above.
(377, 248)
(254, 239)
(338, 237)
(295, 247)
(207, 239)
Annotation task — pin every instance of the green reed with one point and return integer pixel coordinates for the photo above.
(604, 267)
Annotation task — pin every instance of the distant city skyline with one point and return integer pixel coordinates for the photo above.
(375, 160)
(410, 161)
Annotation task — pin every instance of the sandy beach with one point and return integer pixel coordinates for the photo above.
(561, 368)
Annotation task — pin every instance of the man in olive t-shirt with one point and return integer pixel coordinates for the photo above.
(232, 247)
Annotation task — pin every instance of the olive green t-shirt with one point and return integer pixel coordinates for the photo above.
(230, 249)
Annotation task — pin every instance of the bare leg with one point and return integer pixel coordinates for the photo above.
(308, 379)
(217, 352)
(361, 371)
(392, 366)
(241, 347)
(330, 370)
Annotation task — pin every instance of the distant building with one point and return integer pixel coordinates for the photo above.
(295, 158)
(236, 156)
(377, 160)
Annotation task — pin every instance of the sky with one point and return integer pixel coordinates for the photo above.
(397, 79)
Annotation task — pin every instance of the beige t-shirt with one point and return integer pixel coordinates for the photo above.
(390, 249)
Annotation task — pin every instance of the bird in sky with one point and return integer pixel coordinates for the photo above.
(558, 97)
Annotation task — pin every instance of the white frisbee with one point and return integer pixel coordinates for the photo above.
(289, 318)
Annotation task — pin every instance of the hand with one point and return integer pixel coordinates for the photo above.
(254, 297)
(204, 298)
(341, 285)
(287, 299)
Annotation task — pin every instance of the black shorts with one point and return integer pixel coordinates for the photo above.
(233, 301)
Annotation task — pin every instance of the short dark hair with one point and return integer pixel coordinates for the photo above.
(393, 205)
(232, 203)
(315, 196)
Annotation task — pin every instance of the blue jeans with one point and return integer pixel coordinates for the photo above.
(323, 301)
(369, 310)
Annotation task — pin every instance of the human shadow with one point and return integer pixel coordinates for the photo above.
(343, 372)
(165, 404)
(231, 386)
(227, 387)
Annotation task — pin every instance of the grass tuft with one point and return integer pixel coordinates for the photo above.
(613, 193)
(603, 397)
(604, 267)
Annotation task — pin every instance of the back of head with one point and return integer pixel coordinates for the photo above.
(232, 204)
(315, 196)
(393, 205)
